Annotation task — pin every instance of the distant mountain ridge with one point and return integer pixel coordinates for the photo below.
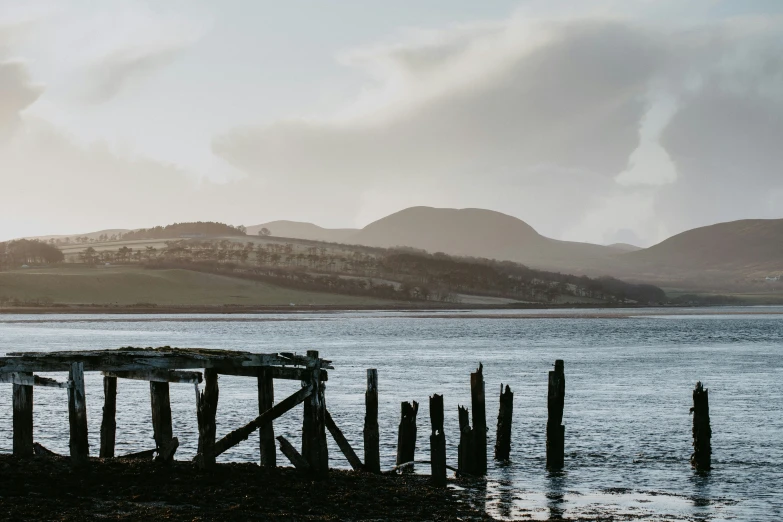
(302, 230)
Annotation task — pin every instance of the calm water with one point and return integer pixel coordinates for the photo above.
(628, 391)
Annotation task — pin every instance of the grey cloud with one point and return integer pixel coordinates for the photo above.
(17, 93)
(116, 71)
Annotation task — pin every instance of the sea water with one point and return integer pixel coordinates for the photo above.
(629, 379)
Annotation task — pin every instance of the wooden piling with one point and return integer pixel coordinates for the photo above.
(372, 455)
(206, 409)
(505, 413)
(109, 421)
(406, 436)
(314, 422)
(77, 415)
(465, 454)
(437, 441)
(479, 421)
(266, 433)
(23, 418)
(342, 443)
(555, 431)
(702, 432)
(161, 415)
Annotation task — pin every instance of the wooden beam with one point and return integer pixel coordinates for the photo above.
(290, 452)
(161, 415)
(109, 421)
(406, 436)
(702, 431)
(28, 379)
(372, 453)
(206, 410)
(158, 376)
(437, 441)
(505, 414)
(479, 420)
(266, 433)
(240, 434)
(278, 372)
(342, 443)
(23, 419)
(314, 447)
(167, 358)
(77, 415)
(140, 455)
(555, 431)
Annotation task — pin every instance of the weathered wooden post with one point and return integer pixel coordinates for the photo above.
(702, 432)
(503, 440)
(342, 443)
(206, 410)
(372, 454)
(479, 421)
(555, 431)
(314, 423)
(437, 441)
(465, 454)
(161, 416)
(406, 437)
(109, 422)
(23, 417)
(266, 399)
(77, 415)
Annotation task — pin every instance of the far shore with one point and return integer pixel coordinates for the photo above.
(609, 311)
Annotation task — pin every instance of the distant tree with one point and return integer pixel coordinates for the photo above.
(264, 232)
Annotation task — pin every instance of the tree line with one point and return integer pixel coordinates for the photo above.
(28, 252)
(195, 229)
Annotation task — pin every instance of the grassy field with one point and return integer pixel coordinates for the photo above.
(128, 285)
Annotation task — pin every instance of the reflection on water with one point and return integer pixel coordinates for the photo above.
(628, 431)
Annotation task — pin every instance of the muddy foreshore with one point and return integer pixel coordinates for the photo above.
(44, 488)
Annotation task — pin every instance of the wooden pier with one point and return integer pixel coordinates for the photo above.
(201, 368)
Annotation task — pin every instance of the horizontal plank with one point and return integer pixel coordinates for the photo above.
(278, 372)
(159, 376)
(134, 359)
(30, 380)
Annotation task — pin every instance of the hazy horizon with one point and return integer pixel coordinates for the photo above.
(602, 122)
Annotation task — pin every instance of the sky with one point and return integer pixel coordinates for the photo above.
(598, 121)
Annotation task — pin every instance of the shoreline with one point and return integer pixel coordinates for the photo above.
(48, 488)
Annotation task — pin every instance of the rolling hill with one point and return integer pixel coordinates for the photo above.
(749, 246)
(302, 230)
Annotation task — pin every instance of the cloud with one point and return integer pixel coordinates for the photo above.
(559, 123)
(121, 68)
(17, 93)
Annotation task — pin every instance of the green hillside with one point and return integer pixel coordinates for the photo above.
(132, 285)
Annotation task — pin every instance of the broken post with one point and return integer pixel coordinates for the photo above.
(702, 432)
(161, 415)
(479, 421)
(206, 409)
(23, 418)
(314, 423)
(77, 415)
(465, 454)
(503, 440)
(406, 437)
(372, 455)
(437, 441)
(266, 433)
(555, 431)
(342, 443)
(109, 422)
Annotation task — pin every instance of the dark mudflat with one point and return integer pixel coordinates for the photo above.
(44, 488)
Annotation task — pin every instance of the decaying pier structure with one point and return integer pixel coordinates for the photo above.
(162, 366)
